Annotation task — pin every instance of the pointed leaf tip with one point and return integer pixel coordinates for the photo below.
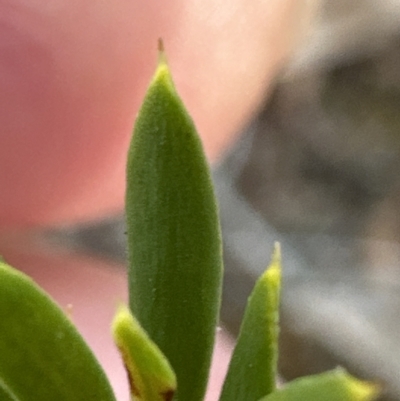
(160, 45)
(162, 58)
(274, 270)
(151, 377)
(163, 75)
(253, 366)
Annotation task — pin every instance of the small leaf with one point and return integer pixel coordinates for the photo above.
(174, 245)
(252, 370)
(42, 356)
(150, 374)
(336, 385)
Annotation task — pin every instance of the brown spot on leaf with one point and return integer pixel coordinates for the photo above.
(168, 395)
(134, 390)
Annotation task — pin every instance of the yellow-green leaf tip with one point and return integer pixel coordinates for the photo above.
(335, 385)
(162, 74)
(360, 390)
(151, 377)
(273, 273)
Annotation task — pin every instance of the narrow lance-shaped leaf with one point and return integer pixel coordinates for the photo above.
(336, 385)
(151, 377)
(42, 356)
(174, 244)
(252, 370)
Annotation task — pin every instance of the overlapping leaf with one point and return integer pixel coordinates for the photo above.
(336, 385)
(253, 368)
(150, 374)
(42, 356)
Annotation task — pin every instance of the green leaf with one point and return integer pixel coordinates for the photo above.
(336, 385)
(174, 245)
(6, 394)
(150, 375)
(252, 370)
(42, 356)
